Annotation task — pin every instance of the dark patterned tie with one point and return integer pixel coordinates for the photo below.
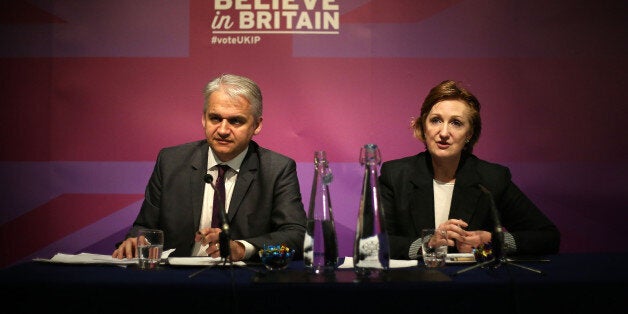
(219, 202)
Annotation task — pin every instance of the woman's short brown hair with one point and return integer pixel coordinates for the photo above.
(449, 90)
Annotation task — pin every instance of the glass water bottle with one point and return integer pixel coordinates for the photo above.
(370, 250)
(320, 247)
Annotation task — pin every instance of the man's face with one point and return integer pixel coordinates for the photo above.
(229, 125)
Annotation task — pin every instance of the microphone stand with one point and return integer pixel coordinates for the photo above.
(224, 236)
(498, 262)
(499, 255)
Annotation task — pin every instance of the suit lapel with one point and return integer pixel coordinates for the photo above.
(247, 173)
(466, 194)
(198, 170)
(422, 196)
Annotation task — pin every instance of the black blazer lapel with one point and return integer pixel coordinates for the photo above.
(247, 173)
(466, 192)
(422, 197)
(198, 170)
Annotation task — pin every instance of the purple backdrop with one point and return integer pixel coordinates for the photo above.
(93, 89)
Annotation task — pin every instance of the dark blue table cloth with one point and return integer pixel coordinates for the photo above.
(571, 283)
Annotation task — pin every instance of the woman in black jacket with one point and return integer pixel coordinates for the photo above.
(448, 188)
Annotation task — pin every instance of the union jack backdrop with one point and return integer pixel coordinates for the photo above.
(91, 90)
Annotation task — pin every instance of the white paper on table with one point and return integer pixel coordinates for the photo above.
(90, 258)
(394, 263)
(201, 261)
(452, 258)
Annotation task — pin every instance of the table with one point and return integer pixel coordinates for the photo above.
(572, 283)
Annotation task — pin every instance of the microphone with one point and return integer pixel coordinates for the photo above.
(224, 236)
(498, 235)
(499, 256)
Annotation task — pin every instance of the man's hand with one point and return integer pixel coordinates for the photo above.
(127, 249)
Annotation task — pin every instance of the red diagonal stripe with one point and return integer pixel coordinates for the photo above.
(57, 219)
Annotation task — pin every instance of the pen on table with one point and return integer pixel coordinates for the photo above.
(461, 259)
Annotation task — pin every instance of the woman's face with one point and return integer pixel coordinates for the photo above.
(447, 128)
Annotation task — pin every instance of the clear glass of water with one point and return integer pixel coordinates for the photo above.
(434, 247)
(150, 245)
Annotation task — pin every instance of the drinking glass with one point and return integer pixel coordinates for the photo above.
(150, 245)
(434, 247)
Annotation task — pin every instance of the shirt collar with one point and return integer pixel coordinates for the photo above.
(235, 163)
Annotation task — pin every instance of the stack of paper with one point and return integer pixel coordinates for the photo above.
(89, 258)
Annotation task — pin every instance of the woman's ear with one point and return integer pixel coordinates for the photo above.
(469, 137)
(415, 125)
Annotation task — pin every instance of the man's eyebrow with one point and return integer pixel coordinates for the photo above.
(236, 117)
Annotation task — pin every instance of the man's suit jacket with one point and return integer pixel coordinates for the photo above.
(265, 207)
(408, 199)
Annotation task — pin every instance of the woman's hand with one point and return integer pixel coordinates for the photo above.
(473, 240)
(455, 230)
(464, 241)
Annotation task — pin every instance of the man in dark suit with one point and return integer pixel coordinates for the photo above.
(262, 196)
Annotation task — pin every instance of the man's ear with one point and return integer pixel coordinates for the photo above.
(259, 126)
